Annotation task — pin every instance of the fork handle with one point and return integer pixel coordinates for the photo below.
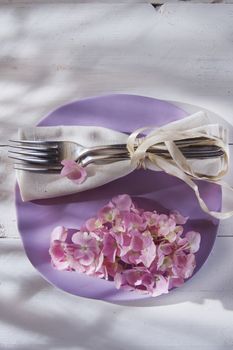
(101, 160)
(200, 152)
(121, 148)
(106, 159)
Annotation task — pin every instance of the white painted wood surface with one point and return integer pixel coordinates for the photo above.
(53, 53)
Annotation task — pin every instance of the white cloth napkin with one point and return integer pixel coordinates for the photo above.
(38, 186)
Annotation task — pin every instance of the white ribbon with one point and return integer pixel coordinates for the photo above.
(178, 165)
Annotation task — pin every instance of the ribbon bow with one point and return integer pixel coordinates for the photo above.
(178, 165)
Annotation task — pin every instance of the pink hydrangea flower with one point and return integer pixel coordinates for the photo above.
(179, 219)
(107, 214)
(141, 251)
(151, 218)
(175, 282)
(139, 279)
(183, 264)
(123, 202)
(112, 268)
(161, 285)
(73, 171)
(87, 255)
(110, 247)
(166, 227)
(93, 224)
(133, 221)
(58, 248)
(194, 239)
(143, 281)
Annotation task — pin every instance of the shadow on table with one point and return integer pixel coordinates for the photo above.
(57, 327)
(63, 321)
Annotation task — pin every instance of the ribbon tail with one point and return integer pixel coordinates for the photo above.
(174, 171)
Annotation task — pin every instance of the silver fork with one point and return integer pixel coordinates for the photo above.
(46, 156)
(45, 152)
(56, 168)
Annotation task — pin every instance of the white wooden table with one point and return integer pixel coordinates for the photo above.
(53, 52)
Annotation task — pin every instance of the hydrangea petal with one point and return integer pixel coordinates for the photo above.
(161, 286)
(194, 239)
(73, 171)
(59, 233)
(179, 219)
(122, 202)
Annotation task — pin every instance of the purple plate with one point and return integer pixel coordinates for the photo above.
(151, 190)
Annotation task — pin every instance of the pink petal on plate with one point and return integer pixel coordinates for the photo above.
(61, 265)
(80, 238)
(123, 202)
(176, 282)
(148, 281)
(87, 259)
(118, 280)
(73, 171)
(148, 255)
(99, 263)
(57, 251)
(107, 214)
(194, 239)
(59, 233)
(110, 248)
(136, 243)
(190, 266)
(166, 248)
(93, 223)
(133, 277)
(162, 285)
(179, 219)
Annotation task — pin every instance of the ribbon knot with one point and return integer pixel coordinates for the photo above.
(140, 159)
(176, 164)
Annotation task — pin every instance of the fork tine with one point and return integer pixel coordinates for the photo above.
(33, 160)
(41, 147)
(37, 169)
(35, 142)
(38, 154)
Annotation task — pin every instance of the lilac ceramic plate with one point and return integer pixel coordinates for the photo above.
(151, 190)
